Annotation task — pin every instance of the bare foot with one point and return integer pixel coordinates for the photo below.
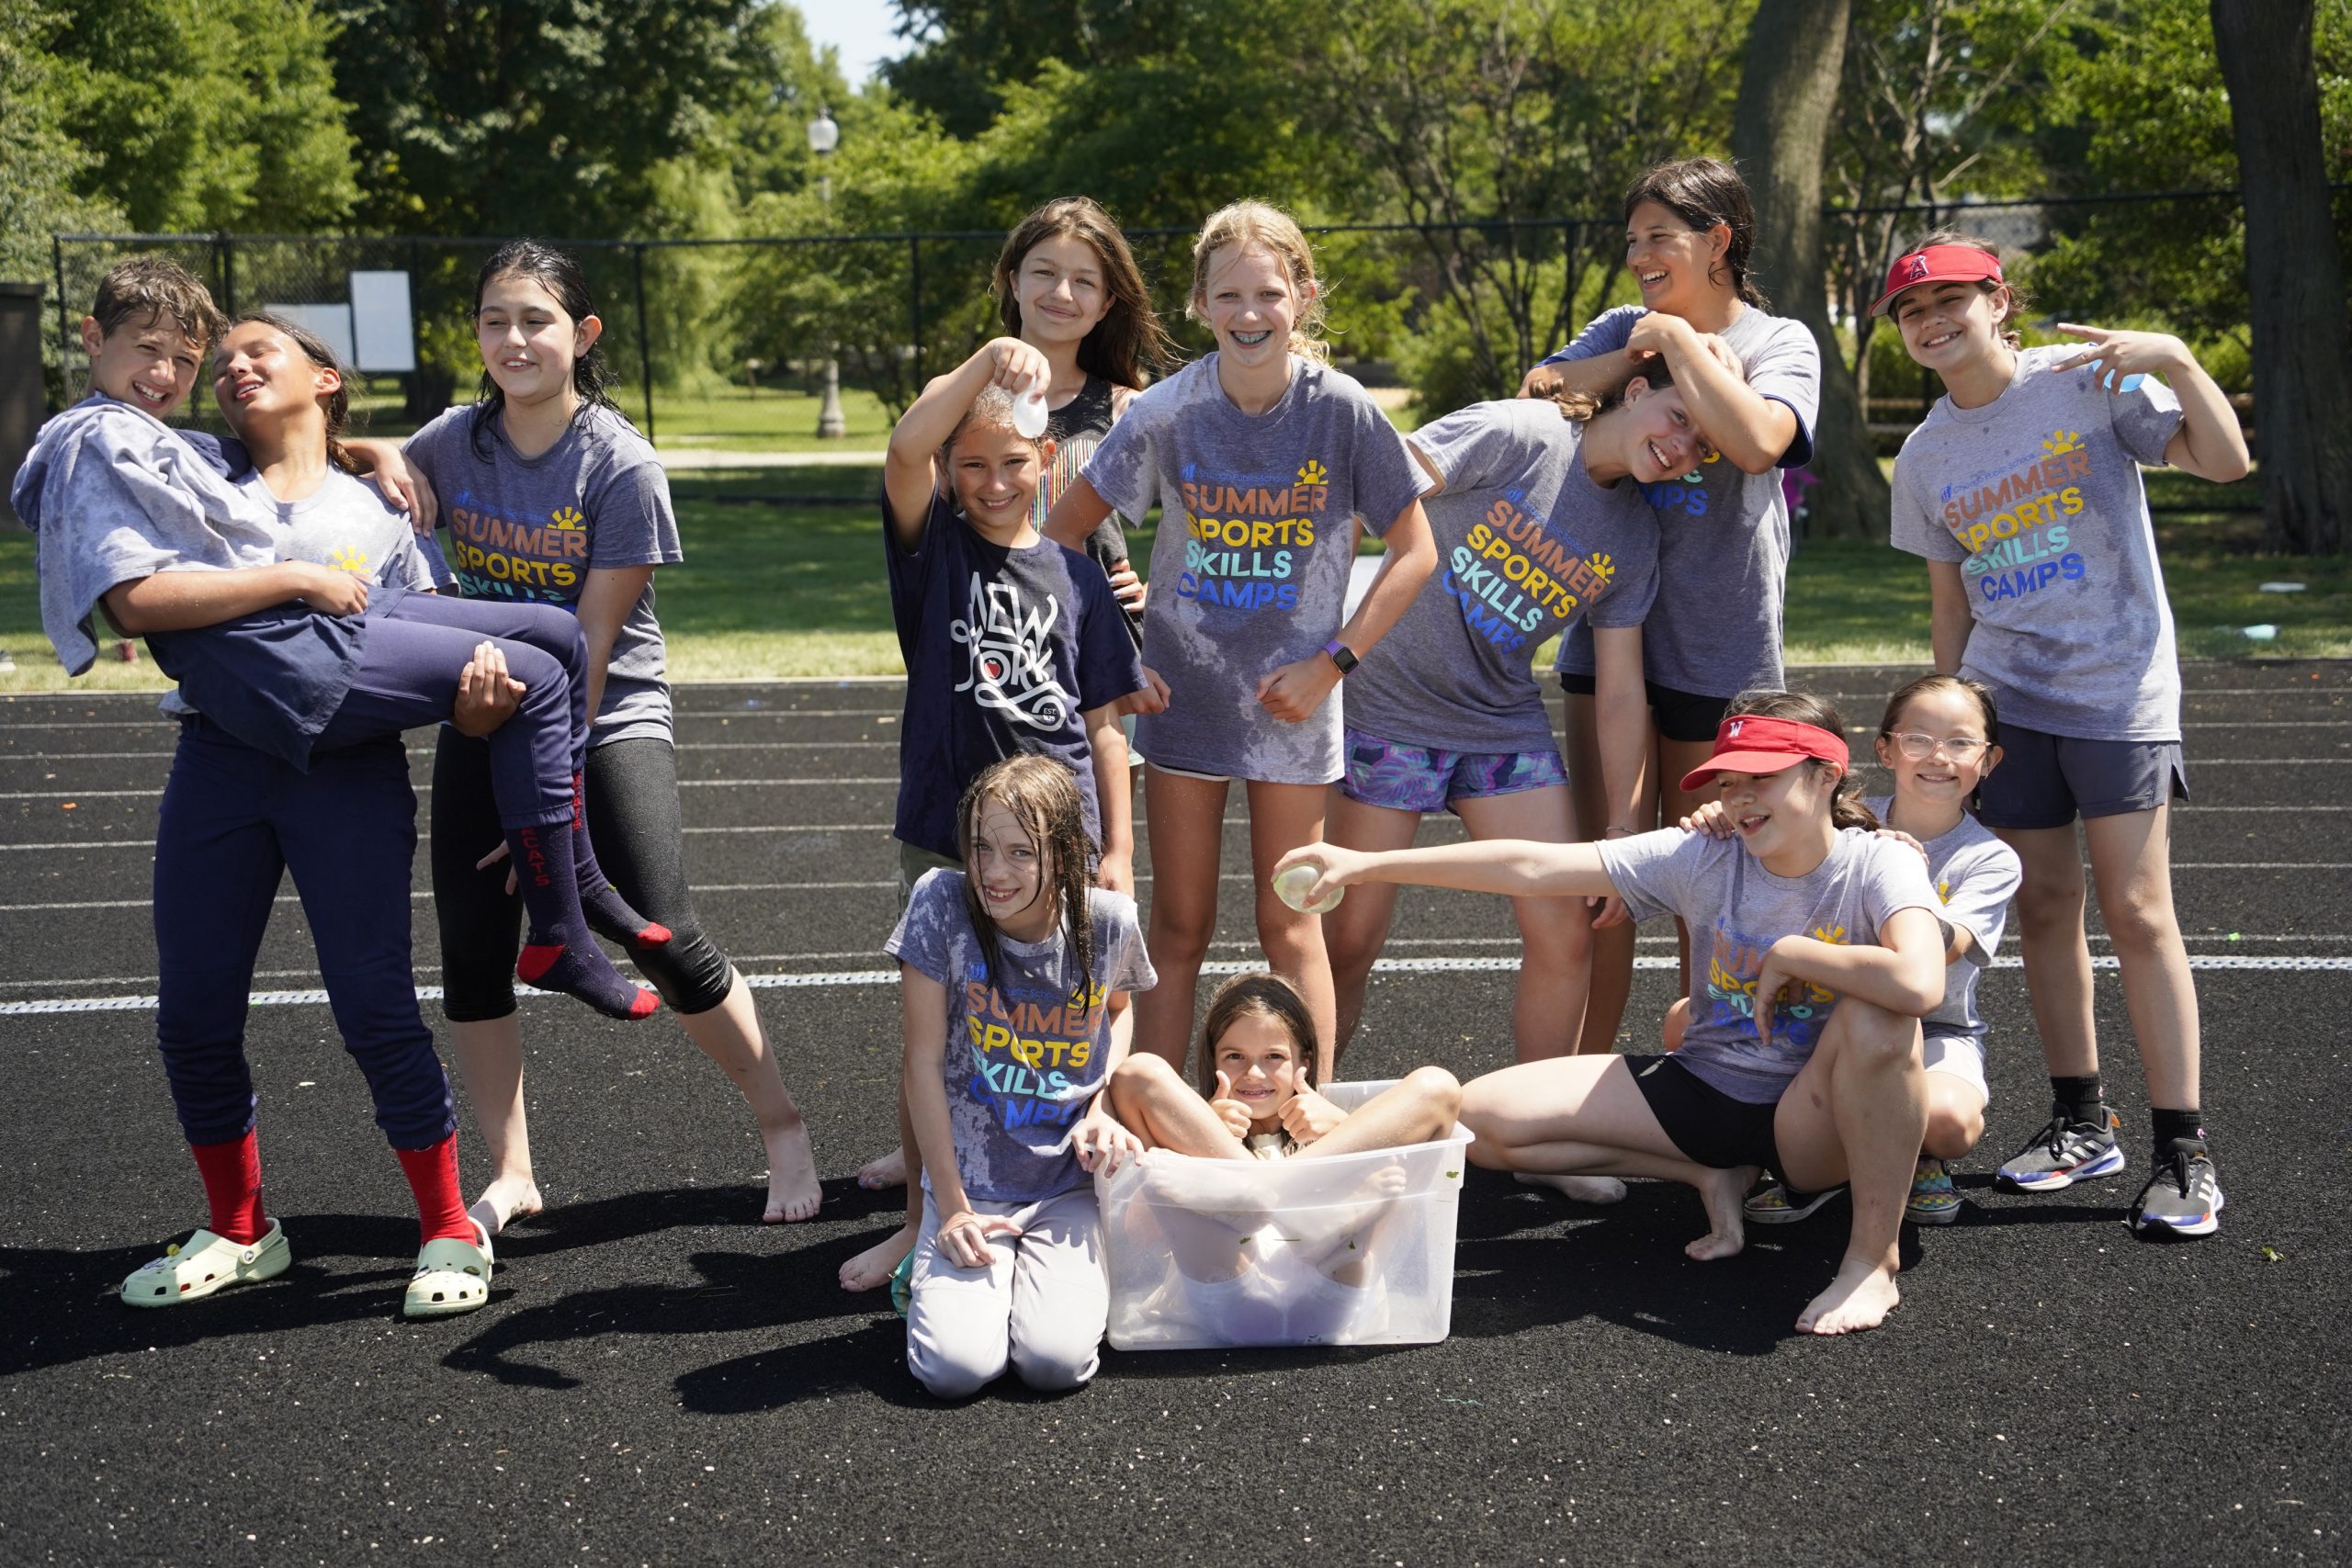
(1858, 1298)
(505, 1201)
(890, 1170)
(793, 1193)
(876, 1265)
(1727, 1226)
(1583, 1189)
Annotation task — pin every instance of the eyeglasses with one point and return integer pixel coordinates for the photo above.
(1919, 746)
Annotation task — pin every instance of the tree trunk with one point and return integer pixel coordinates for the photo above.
(2302, 350)
(1788, 88)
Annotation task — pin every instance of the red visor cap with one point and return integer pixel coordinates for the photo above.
(1749, 744)
(1938, 264)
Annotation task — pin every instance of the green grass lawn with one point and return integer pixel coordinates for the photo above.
(733, 419)
(782, 577)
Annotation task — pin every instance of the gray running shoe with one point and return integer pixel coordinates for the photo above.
(2184, 1196)
(2066, 1152)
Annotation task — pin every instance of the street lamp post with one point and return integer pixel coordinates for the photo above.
(823, 137)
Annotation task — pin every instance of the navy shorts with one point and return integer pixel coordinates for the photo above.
(1709, 1126)
(1680, 715)
(2046, 781)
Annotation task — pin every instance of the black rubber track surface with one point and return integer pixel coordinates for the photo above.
(661, 1378)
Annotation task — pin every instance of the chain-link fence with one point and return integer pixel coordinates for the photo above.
(721, 343)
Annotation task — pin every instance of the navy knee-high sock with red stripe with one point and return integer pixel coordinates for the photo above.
(609, 913)
(560, 955)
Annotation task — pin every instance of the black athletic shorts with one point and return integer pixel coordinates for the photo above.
(1709, 1126)
(1680, 715)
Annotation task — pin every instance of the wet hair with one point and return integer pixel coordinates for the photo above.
(1579, 408)
(314, 348)
(1255, 226)
(991, 410)
(1128, 341)
(142, 289)
(2003, 329)
(1705, 192)
(558, 273)
(1041, 795)
(1846, 807)
(1928, 686)
(1264, 995)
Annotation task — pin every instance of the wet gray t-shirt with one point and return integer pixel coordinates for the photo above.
(1737, 911)
(1974, 875)
(1724, 541)
(1027, 1050)
(346, 524)
(1249, 570)
(2037, 495)
(532, 529)
(1527, 545)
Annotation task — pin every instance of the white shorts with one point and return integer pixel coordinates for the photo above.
(1962, 1056)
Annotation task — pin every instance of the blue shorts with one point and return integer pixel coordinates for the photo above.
(1421, 778)
(2046, 781)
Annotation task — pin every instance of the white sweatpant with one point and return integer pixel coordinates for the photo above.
(1040, 1308)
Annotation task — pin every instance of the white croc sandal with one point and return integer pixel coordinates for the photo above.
(206, 1263)
(452, 1277)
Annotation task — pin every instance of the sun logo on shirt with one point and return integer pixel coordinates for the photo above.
(1834, 935)
(1314, 473)
(567, 517)
(2061, 441)
(1943, 890)
(1603, 566)
(345, 559)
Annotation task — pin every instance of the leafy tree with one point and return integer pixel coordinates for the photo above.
(1472, 114)
(505, 117)
(2295, 266)
(42, 168)
(205, 116)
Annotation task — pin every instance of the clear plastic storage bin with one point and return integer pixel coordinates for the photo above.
(1357, 1250)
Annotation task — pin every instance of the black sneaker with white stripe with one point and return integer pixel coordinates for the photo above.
(2184, 1196)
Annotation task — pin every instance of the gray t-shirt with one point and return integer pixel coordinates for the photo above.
(1025, 1052)
(345, 522)
(1737, 911)
(1723, 539)
(532, 528)
(1249, 570)
(1527, 545)
(1976, 875)
(2037, 495)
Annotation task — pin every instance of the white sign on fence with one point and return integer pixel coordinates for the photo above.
(384, 331)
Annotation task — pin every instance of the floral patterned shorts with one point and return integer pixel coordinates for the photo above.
(1419, 778)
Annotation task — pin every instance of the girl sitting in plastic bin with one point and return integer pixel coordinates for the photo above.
(1257, 1261)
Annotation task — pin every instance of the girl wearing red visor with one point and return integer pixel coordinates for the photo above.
(2022, 490)
(1815, 950)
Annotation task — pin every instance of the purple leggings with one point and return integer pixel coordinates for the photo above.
(408, 677)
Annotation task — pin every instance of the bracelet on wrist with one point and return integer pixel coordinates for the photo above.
(1612, 832)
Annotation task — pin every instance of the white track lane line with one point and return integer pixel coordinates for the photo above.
(1461, 965)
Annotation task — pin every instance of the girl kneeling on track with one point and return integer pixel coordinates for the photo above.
(1257, 1100)
(1014, 975)
(1537, 530)
(1936, 739)
(1822, 954)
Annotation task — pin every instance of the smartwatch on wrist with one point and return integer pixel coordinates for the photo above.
(1341, 655)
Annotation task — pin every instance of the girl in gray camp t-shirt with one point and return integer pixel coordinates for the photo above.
(1249, 570)
(1737, 911)
(1528, 545)
(2037, 495)
(1724, 552)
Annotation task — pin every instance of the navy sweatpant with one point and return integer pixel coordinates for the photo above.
(233, 820)
(408, 677)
